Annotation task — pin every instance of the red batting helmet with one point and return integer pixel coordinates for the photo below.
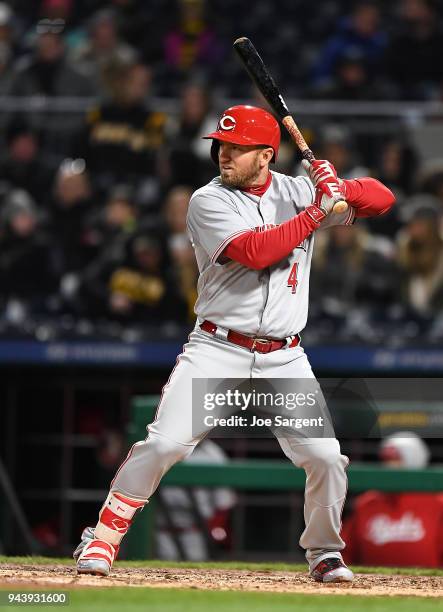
(246, 125)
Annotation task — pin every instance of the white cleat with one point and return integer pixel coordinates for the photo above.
(94, 567)
(332, 570)
(94, 556)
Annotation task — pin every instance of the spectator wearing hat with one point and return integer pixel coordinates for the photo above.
(397, 529)
(63, 12)
(24, 165)
(47, 71)
(27, 273)
(136, 289)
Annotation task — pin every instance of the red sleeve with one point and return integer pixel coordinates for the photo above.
(258, 250)
(369, 197)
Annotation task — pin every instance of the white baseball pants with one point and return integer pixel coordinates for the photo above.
(171, 439)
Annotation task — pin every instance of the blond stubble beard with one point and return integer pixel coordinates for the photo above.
(239, 179)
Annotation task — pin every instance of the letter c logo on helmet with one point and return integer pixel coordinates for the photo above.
(227, 123)
(246, 125)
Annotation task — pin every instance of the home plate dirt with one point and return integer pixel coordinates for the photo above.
(61, 576)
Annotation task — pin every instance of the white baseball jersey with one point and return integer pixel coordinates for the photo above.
(272, 302)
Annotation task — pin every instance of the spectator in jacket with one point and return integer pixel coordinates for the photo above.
(72, 203)
(192, 45)
(27, 274)
(24, 166)
(188, 151)
(47, 72)
(351, 80)
(123, 138)
(103, 51)
(413, 56)
(420, 256)
(358, 33)
(353, 268)
(135, 288)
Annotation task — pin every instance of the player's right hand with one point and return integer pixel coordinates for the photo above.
(324, 176)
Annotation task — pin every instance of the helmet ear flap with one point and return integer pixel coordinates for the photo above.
(214, 151)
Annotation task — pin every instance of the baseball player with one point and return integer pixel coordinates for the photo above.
(253, 234)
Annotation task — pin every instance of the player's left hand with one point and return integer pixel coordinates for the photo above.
(324, 202)
(324, 176)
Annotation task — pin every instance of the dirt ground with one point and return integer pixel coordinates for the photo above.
(65, 577)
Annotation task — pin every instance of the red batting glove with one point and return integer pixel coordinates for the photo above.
(324, 176)
(323, 204)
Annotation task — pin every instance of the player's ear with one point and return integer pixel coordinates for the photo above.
(266, 155)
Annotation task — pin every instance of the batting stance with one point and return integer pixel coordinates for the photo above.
(253, 234)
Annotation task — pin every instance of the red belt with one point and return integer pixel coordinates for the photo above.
(260, 345)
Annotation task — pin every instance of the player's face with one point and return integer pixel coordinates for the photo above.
(242, 165)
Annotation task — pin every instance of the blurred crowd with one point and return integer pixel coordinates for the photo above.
(93, 203)
(352, 49)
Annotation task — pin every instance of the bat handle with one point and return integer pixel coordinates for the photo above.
(308, 155)
(340, 206)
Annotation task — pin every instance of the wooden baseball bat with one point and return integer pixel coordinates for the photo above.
(267, 86)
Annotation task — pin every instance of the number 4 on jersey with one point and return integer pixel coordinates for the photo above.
(292, 278)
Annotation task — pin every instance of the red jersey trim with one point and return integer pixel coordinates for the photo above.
(260, 189)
